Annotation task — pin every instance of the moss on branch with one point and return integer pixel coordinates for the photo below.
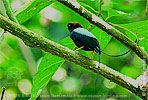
(95, 20)
(35, 40)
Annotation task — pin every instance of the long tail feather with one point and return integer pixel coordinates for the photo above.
(98, 49)
(98, 69)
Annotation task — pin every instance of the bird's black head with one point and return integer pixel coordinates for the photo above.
(72, 26)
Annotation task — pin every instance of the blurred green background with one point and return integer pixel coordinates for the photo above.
(18, 63)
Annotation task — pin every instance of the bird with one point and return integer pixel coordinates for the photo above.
(84, 40)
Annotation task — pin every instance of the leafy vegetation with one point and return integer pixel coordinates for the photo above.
(29, 72)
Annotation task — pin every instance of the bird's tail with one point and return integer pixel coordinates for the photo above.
(98, 50)
(98, 69)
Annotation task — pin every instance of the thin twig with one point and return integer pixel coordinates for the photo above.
(9, 11)
(146, 12)
(100, 14)
(100, 9)
(124, 29)
(3, 92)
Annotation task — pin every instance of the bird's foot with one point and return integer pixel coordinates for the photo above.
(92, 54)
(76, 51)
(91, 58)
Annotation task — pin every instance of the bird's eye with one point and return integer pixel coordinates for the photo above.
(68, 25)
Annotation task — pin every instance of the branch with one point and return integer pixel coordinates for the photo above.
(25, 51)
(92, 18)
(3, 93)
(146, 11)
(9, 11)
(35, 40)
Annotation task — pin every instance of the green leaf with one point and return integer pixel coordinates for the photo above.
(2, 9)
(113, 12)
(93, 6)
(90, 4)
(47, 68)
(1, 36)
(102, 37)
(123, 19)
(140, 29)
(96, 12)
(67, 42)
(129, 5)
(30, 9)
(107, 4)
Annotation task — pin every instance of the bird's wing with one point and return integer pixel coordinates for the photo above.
(83, 31)
(84, 39)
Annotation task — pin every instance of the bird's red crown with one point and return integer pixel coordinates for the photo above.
(76, 24)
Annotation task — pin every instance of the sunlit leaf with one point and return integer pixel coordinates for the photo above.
(135, 9)
(89, 8)
(67, 42)
(102, 37)
(140, 29)
(47, 68)
(127, 70)
(128, 5)
(31, 8)
(2, 8)
(93, 6)
(124, 19)
(90, 4)
(113, 12)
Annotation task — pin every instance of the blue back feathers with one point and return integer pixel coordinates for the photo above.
(83, 31)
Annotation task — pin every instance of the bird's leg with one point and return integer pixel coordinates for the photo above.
(92, 54)
(79, 49)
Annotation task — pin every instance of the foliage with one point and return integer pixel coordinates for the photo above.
(13, 61)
